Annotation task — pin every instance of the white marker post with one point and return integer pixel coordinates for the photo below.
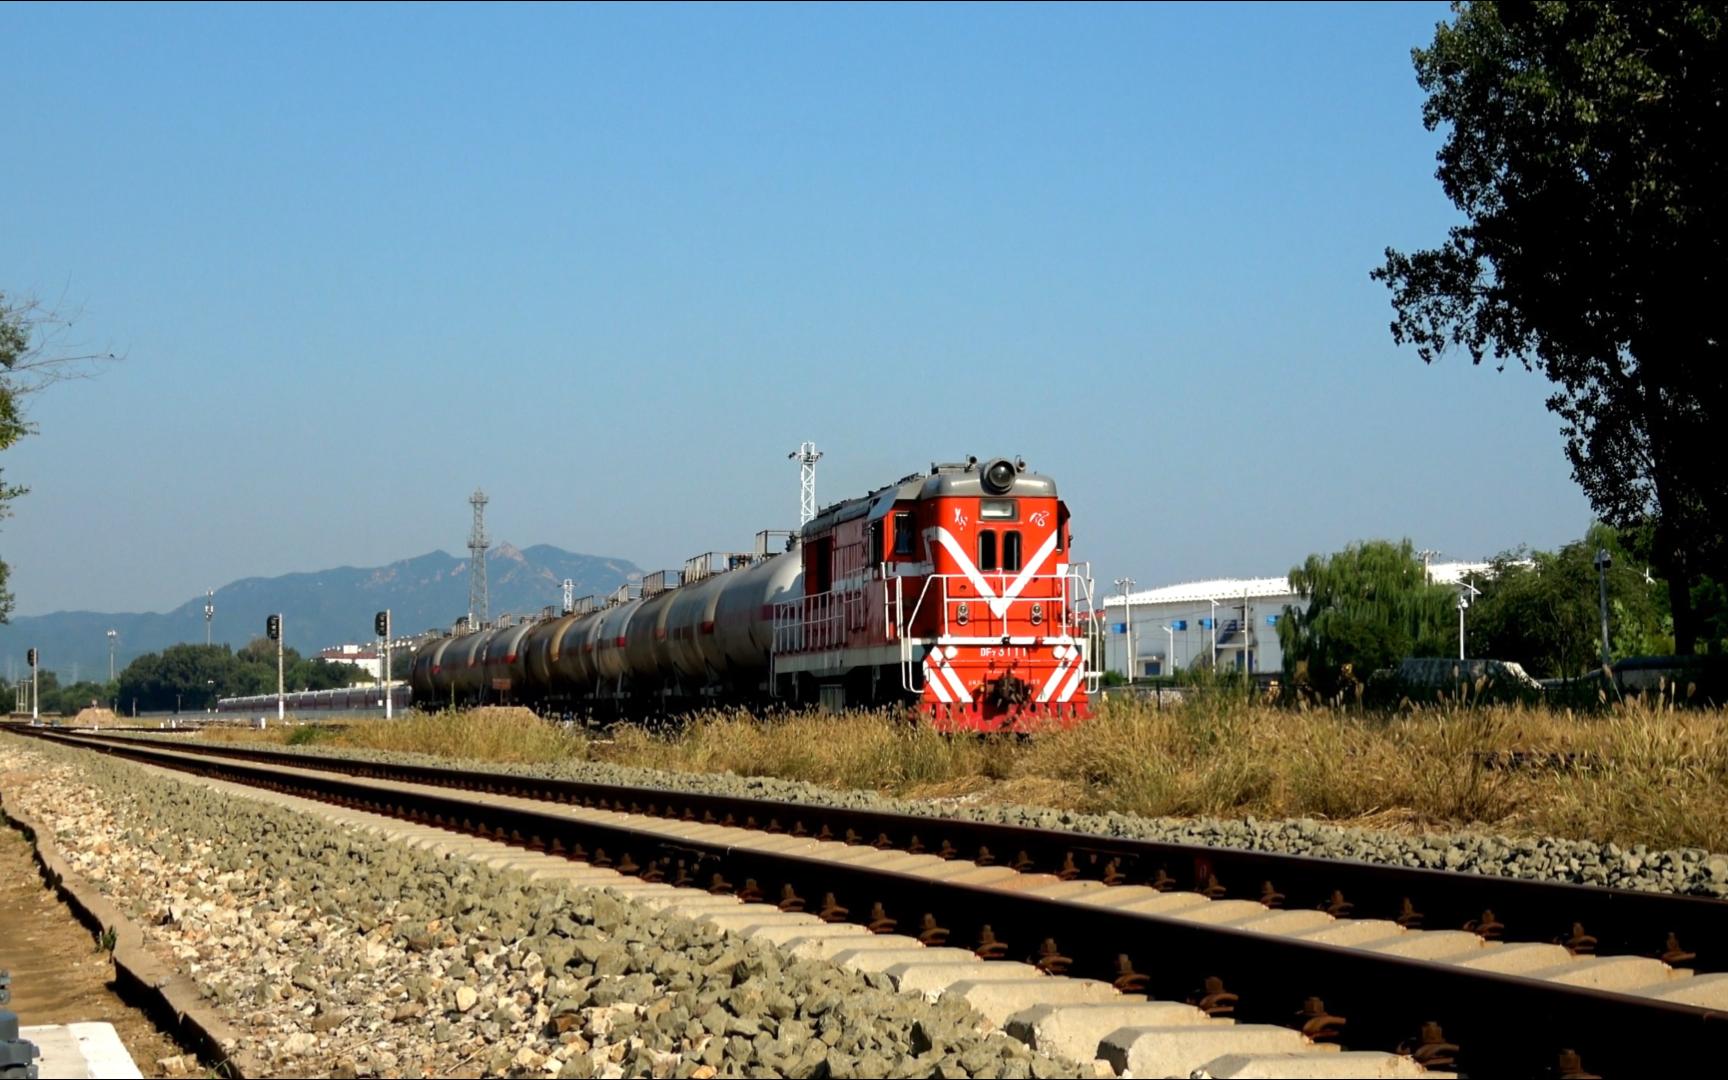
(35, 687)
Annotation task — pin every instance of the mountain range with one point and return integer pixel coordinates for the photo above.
(319, 609)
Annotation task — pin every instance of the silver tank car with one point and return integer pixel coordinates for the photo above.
(541, 650)
(743, 619)
(505, 663)
(608, 640)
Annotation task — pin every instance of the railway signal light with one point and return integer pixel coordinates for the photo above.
(381, 624)
(30, 657)
(273, 627)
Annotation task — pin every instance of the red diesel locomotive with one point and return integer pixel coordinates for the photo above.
(952, 591)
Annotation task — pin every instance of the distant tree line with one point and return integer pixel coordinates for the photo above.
(1372, 604)
(192, 677)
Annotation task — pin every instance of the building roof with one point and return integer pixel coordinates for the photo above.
(1227, 589)
(1219, 589)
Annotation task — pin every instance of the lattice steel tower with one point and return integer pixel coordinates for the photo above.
(806, 455)
(477, 562)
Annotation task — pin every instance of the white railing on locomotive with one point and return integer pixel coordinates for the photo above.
(974, 614)
(818, 621)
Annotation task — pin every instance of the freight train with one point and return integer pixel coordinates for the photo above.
(951, 591)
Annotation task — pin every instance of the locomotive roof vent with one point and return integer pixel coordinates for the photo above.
(999, 476)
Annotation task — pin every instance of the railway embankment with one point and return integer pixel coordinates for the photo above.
(332, 952)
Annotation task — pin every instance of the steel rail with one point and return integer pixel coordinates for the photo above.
(1505, 1025)
(1623, 921)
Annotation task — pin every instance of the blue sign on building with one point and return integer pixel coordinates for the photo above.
(1205, 624)
(1179, 624)
(1271, 620)
(1118, 628)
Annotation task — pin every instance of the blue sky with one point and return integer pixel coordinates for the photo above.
(613, 263)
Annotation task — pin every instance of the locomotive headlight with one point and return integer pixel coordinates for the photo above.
(1037, 614)
(999, 476)
(963, 613)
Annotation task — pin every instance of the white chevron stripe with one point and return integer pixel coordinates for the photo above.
(998, 604)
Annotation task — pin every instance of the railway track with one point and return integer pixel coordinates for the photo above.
(1353, 953)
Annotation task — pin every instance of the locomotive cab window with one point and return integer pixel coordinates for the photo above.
(999, 510)
(986, 549)
(904, 537)
(1011, 550)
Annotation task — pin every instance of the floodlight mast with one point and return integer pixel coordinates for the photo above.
(806, 456)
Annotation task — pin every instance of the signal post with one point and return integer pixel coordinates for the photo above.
(35, 688)
(381, 624)
(273, 628)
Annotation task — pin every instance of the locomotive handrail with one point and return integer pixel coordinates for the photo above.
(984, 622)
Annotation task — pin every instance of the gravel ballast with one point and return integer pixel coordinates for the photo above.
(336, 954)
(1693, 871)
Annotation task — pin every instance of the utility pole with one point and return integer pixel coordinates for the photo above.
(1214, 621)
(209, 612)
(806, 455)
(1126, 584)
(1603, 562)
(477, 544)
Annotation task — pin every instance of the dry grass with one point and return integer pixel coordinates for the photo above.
(1640, 772)
(510, 735)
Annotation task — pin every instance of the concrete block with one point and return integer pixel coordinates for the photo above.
(1366, 1065)
(1516, 958)
(78, 1051)
(1621, 973)
(1707, 991)
(822, 946)
(855, 959)
(930, 978)
(1117, 895)
(1064, 890)
(780, 933)
(1445, 945)
(998, 999)
(1074, 1030)
(981, 875)
(1178, 1051)
(1165, 903)
(688, 902)
(784, 843)
(1352, 932)
(1024, 882)
(1283, 922)
(1221, 911)
(756, 915)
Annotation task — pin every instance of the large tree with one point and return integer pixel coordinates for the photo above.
(1363, 608)
(1587, 147)
(1540, 608)
(30, 359)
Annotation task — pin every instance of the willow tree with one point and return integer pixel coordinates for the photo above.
(1363, 608)
(1587, 148)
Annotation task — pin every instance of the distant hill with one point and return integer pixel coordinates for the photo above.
(319, 609)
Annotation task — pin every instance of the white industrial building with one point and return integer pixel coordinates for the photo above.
(1230, 621)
